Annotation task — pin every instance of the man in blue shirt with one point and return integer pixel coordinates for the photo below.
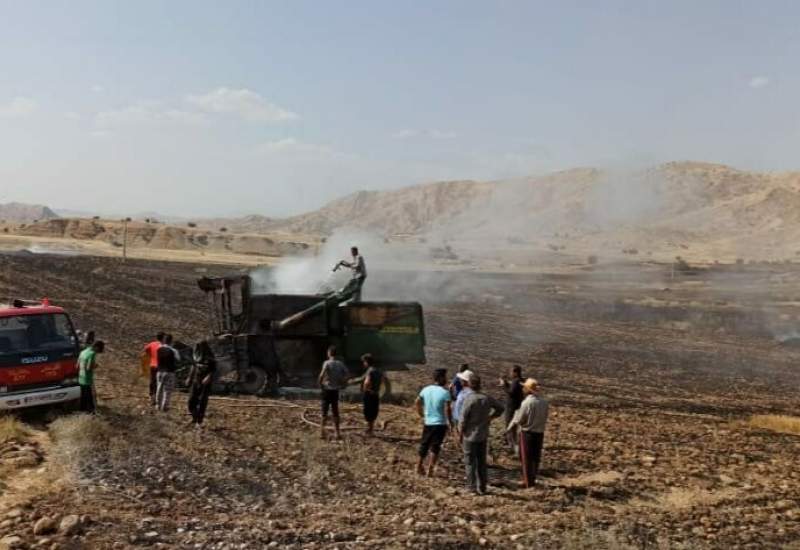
(433, 405)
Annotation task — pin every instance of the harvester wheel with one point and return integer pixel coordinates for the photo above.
(253, 380)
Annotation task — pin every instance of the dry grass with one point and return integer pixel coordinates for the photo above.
(79, 441)
(776, 422)
(683, 498)
(11, 428)
(593, 539)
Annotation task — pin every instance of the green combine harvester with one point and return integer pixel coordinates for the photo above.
(264, 342)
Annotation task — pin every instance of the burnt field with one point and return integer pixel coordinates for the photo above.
(653, 380)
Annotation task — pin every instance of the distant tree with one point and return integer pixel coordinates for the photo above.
(223, 229)
(192, 224)
(682, 265)
(95, 217)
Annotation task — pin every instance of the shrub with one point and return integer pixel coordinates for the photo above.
(776, 423)
(11, 428)
(682, 265)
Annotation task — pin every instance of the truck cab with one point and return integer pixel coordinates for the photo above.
(38, 355)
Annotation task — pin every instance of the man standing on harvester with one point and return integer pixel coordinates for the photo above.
(359, 268)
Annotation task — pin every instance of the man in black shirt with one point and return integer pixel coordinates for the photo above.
(202, 380)
(165, 375)
(374, 379)
(514, 397)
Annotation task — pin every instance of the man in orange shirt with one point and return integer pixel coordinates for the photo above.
(150, 353)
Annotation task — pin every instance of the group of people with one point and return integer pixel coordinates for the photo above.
(464, 410)
(335, 377)
(161, 361)
(460, 408)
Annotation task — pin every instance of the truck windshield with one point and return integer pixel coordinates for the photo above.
(31, 333)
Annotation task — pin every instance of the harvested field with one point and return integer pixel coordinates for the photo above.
(648, 445)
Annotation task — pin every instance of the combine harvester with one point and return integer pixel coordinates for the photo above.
(265, 342)
(38, 356)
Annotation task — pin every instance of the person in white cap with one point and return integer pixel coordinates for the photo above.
(530, 421)
(463, 378)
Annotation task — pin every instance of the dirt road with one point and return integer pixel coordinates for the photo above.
(648, 445)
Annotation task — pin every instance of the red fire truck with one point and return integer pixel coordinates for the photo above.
(38, 355)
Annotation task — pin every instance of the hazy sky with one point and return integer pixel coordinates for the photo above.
(197, 108)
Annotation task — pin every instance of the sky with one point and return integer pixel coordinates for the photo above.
(206, 108)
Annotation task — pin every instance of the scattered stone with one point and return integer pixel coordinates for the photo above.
(10, 542)
(44, 526)
(69, 525)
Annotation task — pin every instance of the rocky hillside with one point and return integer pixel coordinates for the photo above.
(25, 213)
(693, 209)
(164, 237)
(411, 210)
(690, 208)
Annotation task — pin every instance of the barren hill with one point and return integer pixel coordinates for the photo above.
(408, 210)
(165, 237)
(21, 212)
(691, 208)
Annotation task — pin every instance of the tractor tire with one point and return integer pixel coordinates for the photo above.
(252, 381)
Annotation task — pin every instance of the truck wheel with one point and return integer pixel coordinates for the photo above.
(253, 380)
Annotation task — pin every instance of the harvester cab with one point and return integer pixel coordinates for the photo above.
(266, 341)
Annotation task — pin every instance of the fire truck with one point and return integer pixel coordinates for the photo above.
(38, 355)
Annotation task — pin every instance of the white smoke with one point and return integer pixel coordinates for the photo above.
(314, 274)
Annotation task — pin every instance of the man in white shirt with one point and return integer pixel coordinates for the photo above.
(530, 420)
(359, 267)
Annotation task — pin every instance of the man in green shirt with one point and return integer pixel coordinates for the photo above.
(87, 363)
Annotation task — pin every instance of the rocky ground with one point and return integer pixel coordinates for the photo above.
(648, 444)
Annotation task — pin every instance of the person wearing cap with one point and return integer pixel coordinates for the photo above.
(463, 380)
(433, 405)
(456, 385)
(478, 410)
(529, 421)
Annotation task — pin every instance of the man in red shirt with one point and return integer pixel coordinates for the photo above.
(150, 353)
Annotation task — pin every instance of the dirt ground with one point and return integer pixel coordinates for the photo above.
(651, 380)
